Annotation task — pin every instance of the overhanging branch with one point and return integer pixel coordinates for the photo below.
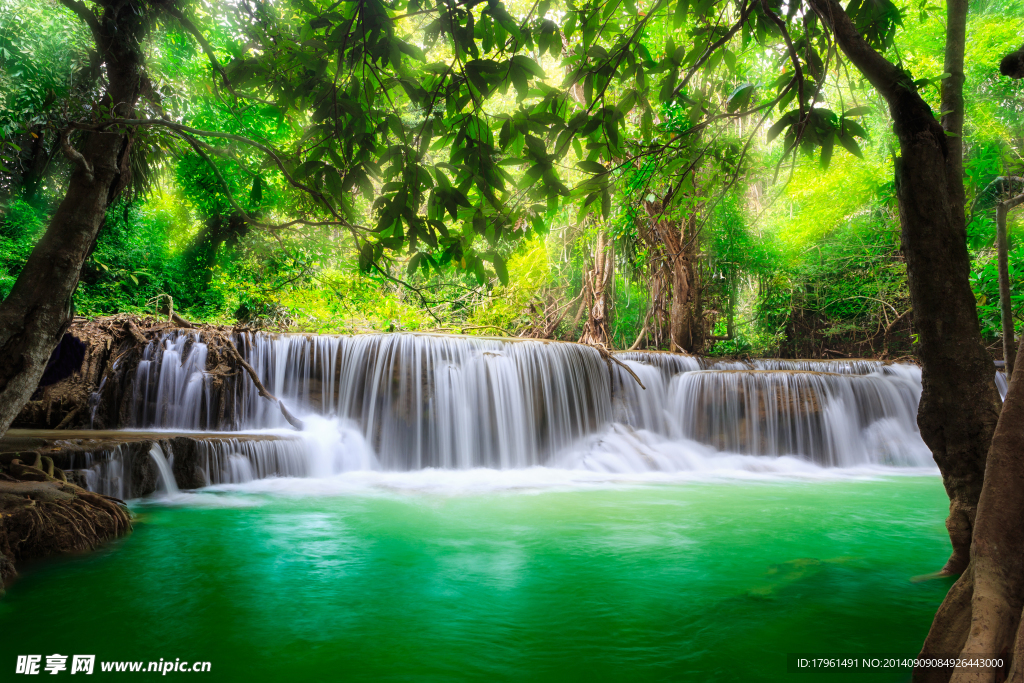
(87, 16)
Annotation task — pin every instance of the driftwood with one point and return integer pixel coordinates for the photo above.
(237, 357)
(136, 333)
(609, 358)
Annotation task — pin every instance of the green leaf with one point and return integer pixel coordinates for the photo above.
(528, 65)
(334, 184)
(500, 269)
(780, 125)
(365, 257)
(740, 97)
(854, 128)
(592, 167)
(679, 15)
(668, 86)
(827, 146)
(256, 196)
(730, 59)
(851, 146)
(856, 111)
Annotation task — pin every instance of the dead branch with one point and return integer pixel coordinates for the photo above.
(136, 334)
(609, 358)
(233, 351)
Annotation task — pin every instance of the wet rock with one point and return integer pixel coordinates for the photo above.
(187, 468)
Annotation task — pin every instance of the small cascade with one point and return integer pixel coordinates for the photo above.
(94, 402)
(172, 389)
(164, 468)
(832, 419)
(641, 407)
(856, 366)
(135, 469)
(670, 364)
(105, 472)
(1001, 384)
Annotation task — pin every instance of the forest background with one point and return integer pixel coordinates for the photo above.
(791, 255)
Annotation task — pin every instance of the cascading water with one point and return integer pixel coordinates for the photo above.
(409, 401)
(172, 389)
(164, 468)
(829, 418)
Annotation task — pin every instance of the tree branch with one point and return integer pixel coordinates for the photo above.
(75, 157)
(885, 76)
(87, 16)
(226, 136)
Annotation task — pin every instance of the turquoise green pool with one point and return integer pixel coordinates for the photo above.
(391, 581)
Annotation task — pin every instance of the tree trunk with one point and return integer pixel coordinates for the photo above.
(680, 338)
(981, 615)
(952, 99)
(597, 329)
(1005, 301)
(38, 310)
(959, 405)
(682, 250)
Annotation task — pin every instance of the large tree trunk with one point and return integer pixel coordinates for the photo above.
(959, 405)
(38, 311)
(981, 615)
(678, 243)
(39, 308)
(680, 337)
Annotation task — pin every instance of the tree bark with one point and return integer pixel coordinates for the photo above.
(680, 338)
(952, 99)
(981, 615)
(1005, 301)
(39, 308)
(597, 329)
(959, 404)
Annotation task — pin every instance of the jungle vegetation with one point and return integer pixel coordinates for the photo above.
(783, 264)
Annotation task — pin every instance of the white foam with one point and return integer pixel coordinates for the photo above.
(618, 457)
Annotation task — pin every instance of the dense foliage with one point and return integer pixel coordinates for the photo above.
(454, 166)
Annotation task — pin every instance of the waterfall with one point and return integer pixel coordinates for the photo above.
(172, 389)
(413, 401)
(828, 418)
(164, 468)
(138, 468)
(1002, 384)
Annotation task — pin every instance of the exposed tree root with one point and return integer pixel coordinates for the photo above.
(43, 515)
